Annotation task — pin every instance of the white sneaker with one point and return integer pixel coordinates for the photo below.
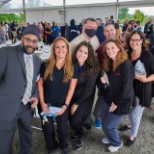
(105, 140)
(113, 148)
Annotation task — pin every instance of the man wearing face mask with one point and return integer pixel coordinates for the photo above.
(88, 34)
(19, 69)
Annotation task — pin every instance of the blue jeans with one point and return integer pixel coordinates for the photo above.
(109, 125)
(135, 118)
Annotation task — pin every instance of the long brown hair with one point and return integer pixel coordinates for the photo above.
(121, 57)
(91, 64)
(51, 62)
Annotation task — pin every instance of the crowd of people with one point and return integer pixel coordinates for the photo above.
(13, 31)
(103, 56)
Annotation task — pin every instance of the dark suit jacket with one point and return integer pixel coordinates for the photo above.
(13, 80)
(100, 34)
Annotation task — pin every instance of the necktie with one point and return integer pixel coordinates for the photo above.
(28, 90)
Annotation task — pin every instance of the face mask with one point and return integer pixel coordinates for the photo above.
(90, 32)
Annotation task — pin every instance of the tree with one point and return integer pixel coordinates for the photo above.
(123, 13)
(19, 17)
(139, 16)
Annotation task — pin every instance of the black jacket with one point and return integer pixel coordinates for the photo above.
(144, 90)
(121, 90)
(85, 88)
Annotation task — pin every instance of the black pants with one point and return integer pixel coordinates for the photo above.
(86, 118)
(62, 131)
(23, 120)
(76, 120)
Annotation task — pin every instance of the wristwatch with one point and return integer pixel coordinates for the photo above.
(66, 105)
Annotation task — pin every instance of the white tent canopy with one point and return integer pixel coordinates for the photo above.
(18, 4)
(53, 10)
(3, 2)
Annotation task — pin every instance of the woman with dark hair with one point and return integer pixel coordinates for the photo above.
(126, 33)
(88, 72)
(130, 27)
(118, 91)
(58, 78)
(137, 51)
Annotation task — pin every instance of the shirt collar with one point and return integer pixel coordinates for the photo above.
(25, 55)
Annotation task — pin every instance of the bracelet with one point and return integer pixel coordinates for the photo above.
(66, 105)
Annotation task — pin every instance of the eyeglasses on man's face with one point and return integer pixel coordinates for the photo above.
(90, 27)
(28, 40)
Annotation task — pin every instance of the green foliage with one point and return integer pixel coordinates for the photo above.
(18, 16)
(123, 13)
(139, 16)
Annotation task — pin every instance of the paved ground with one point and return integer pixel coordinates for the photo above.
(144, 143)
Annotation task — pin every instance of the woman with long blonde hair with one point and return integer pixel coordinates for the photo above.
(58, 78)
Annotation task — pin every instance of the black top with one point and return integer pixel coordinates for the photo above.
(144, 90)
(120, 89)
(48, 29)
(85, 87)
(13, 26)
(55, 91)
(151, 45)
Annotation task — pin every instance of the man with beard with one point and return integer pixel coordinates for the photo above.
(19, 69)
(88, 34)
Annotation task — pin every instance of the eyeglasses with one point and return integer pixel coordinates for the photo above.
(28, 40)
(135, 40)
(90, 27)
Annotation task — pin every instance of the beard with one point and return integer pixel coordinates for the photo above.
(28, 49)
